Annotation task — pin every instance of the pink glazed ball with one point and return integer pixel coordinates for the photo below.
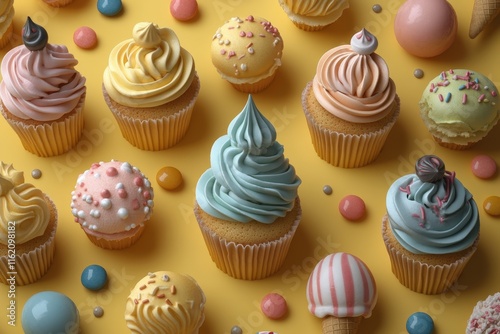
(425, 28)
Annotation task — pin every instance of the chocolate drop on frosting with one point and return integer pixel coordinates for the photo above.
(430, 168)
(35, 37)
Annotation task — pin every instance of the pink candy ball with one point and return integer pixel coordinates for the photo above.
(274, 306)
(85, 37)
(183, 10)
(352, 207)
(483, 166)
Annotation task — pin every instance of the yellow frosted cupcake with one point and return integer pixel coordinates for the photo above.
(151, 87)
(112, 201)
(28, 223)
(431, 229)
(247, 204)
(6, 21)
(165, 302)
(351, 104)
(459, 108)
(247, 53)
(47, 114)
(313, 15)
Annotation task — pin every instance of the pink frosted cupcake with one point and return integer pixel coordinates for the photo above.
(342, 291)
(485, 317)
(111, 202)
(42, 94)
(351, 104)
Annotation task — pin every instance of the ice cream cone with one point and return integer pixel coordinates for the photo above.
(483, 12)
(347, 325)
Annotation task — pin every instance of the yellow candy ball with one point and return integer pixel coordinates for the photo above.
(492, 205)
(169, 178)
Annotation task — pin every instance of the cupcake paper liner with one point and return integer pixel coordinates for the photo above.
(58, 3)
(348, 150)
(159, 133)
(51, 138)
(32, 265)
(453, 146)
(6, 36)
(248, 262)
(254, 87)
(422, 277)
(116, 243)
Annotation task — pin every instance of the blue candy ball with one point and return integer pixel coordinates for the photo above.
(109, 7)
(50, 312)
(94, 277)
(419, 323)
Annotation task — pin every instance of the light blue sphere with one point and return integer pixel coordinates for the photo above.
(109, 7)
(420, 323)
(94, 277)
(50, 312)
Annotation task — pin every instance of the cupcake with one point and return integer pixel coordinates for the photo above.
(6, 21)
(151, 86)
(28, 223)
(112, 202)
(247, 204)
(313, 15)
(342, 291)
(165, 302)
(58, 3)
(459, 108)
(485, 317)
(47, 113)
(247, 53)
(351, 104)
(431, 229)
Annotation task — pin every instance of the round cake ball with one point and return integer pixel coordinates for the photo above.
(94, 277)
(50, 312)
(425, 28)
(247, 52)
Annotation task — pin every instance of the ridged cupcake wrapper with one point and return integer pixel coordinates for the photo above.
(248, 262)
(7, 35)
(453, 146)
(31, 266)
(307, 27)
(346, 150)
(422, 277)
(255, 87)
(156, 134)
(116, 244)
(58, 3)
(52, 138)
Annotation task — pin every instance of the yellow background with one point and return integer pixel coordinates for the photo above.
(172, 240)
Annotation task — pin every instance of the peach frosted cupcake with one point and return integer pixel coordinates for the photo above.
(313, 15)
(351, 104)
(47, 113)
(431, 229)
(247, 205)
(247, 53)
(28, 223)
(112, 202)
(151, 86)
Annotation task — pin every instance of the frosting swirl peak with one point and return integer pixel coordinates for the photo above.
(364, 42)
(35, 37)
(249, 178)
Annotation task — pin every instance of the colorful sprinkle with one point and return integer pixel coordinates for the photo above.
(440, 97)
(483, 166)
(352, 207)
(464, 99)
(448, 97)
(491, 205)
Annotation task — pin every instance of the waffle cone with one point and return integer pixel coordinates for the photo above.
(347, 325)
(483, 12)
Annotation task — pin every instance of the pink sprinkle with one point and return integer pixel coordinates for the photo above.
(432, 87)
(138, 181)
(105, 193)
(440, 97)
(146, 194)
(443, 75)
(262, 35)
(480, 98)
(249, 34)
(250, 18)
(85, 38)
(451, 71)
(111, 171)
(223, 52)
(135, 204)
(242, 34)
(231, 54)
(122, 193)
(464, 99)
(493, 93)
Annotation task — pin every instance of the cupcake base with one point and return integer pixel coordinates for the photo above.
(5, 39)
(341, 143)
(115, 242)
(47, 139)
(58, 3)
(256, 250)
(314, 23)
(156, 128)
(254, 87)
(32, 259)
(425, 273)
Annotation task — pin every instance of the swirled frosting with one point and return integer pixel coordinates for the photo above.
(352, 86)
(317, 7)
(42, 85)
(149, 69)
(437, 217)
(165, 302)
(6, 15)
(23, 209)
(249, 178)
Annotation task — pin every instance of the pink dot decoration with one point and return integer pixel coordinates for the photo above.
(483, 166)
(85, 37)
(352, 207)
(111, 171)
(274, 306)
